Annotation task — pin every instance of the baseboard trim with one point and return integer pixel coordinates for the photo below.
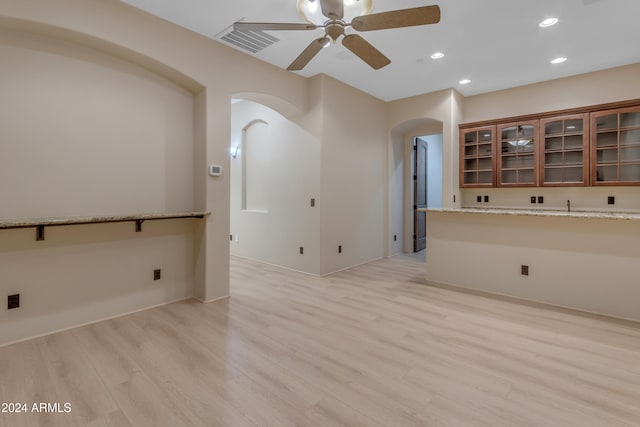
(211, 300)
(115, 316)
(353, 266)
(284, 267)
(635, 323)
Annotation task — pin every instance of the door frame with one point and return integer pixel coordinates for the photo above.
(417, 215)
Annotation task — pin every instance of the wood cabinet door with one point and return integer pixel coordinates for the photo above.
(517, 153)
(564, 151)
(615, 147)
(477, 157)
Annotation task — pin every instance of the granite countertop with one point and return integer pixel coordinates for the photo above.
(32, 222)
(541, 212)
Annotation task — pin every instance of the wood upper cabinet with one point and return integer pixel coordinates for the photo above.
(597, 145)
(615, 147)
(564, 151)
(477, 159)
(518, 154)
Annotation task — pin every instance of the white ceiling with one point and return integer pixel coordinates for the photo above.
(495, 43)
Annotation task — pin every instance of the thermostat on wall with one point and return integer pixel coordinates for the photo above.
(215, 170)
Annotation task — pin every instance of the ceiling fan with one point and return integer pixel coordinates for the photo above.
(332, 18)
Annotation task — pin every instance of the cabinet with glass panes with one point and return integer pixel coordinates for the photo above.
(564, 150)
(615, 147)
(517, 154)
(477, 160)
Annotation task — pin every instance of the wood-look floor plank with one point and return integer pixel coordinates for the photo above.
(370, 346)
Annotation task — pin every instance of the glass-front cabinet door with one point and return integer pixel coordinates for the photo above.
(517, 158)
(477, 160)
(564, 157)
(615, 147)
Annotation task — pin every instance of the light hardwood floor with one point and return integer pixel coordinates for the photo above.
(371, 346)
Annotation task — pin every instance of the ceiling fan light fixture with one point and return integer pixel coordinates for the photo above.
(548, 22)
(310, 11)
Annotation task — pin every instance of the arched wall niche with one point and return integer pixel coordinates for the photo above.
(14, 30)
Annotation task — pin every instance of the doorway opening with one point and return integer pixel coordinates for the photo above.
(269, 219)
(415, 182)
(427, 184)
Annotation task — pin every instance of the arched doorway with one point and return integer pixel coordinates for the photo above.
(274, 174)
(415, 181)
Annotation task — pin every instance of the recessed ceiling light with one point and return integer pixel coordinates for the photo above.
(548, 22)
(464, 81)
(437, 55)
(559, 60)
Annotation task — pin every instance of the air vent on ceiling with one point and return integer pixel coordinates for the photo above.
(252, 41)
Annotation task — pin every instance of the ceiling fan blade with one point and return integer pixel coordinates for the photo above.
(398, 18)
(365, 51)
(308, 54)
(271, 26)
(332, 9)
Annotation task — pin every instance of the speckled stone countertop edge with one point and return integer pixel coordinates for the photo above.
(28, 222)
(541, 213)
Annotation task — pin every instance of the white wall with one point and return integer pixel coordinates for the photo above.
(287, 169)
(434, 170)
(585, 264)
(354, 176)
(85, 133)
(396, 194)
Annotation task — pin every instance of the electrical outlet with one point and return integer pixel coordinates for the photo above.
(231, 237)
(540, 199)
(611, 200)
(533, 199)
(340, 249)
(479, 199)
(313, 203)
(13, 301)
(486, 199)
(156, 274)
(524, 270)
(301, 250)
(395, 237)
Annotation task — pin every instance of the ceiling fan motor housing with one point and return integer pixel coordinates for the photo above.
(335, 30)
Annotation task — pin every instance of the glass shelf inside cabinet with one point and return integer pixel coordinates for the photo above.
(630, 120)
(517, 154)
(564, 144)
(478, 157)
(617, 146)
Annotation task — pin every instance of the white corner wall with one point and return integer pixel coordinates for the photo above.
(354, 176)
(287, 163)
